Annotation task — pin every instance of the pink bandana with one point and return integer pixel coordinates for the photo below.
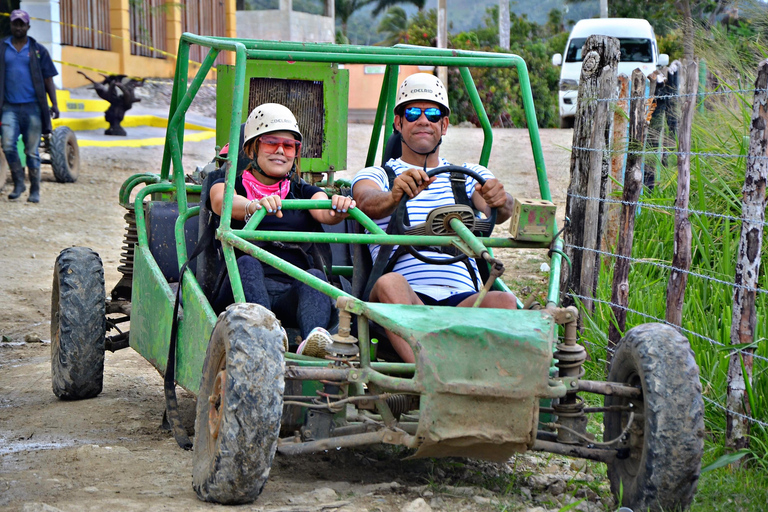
(254, 189)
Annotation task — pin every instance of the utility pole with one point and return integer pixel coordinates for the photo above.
(504, 24)
(442, 37)
(603, 8)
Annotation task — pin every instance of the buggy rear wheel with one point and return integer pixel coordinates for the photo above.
(78, 324)
(239, 406)
(665, 442)
(65, 155)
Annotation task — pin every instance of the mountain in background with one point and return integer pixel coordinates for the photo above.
(464, 15)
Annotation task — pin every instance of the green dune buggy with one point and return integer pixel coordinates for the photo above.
(520, 390)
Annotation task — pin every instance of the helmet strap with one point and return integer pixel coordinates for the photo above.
(425, 154)
(254, 165)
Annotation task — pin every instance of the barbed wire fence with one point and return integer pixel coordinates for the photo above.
(610, 170)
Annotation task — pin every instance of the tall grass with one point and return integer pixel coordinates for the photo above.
(721, 127)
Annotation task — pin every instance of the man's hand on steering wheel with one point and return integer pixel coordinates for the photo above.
(400, 213)
(493, 193)
(410, 183)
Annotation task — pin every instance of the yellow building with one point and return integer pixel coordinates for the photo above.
(140, 38)
(125, 37)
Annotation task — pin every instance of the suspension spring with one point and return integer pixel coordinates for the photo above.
(122, 290)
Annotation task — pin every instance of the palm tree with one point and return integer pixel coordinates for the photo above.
(382, 5)
(346, 8)
(395, 25)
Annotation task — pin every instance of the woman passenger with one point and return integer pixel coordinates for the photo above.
(273, 142)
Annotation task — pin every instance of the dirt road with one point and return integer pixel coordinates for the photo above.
(109, 453)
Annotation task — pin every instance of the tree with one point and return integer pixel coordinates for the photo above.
(346, 8)
(381, 5)
(394, 25)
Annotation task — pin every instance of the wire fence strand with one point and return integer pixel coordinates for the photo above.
(670, 268)
(655, 206)
(705, 94)
(663, 321)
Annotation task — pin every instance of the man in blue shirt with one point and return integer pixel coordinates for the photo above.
(26, 75)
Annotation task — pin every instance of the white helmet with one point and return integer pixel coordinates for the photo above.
(268, 118)
(423, 87)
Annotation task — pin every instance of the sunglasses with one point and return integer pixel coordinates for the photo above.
(433, 114)
(270, 143)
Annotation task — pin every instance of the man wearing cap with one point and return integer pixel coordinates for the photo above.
(421, 117)
(26, 75)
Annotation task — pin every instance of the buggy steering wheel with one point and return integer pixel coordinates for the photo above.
(441, 217)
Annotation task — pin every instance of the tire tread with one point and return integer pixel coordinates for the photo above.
(60, 138)
(78, 324)
(674, 418)
(239, 465)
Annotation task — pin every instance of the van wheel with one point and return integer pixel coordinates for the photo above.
(567, 122)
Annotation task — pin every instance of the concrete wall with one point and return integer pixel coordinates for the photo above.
(45, 32)
(285, 25)
(365, 83)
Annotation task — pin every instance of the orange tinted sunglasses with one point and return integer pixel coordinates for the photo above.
(270, 143)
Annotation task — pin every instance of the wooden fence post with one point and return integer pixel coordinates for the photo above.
(618, 150)
(681, 260)
(633, 185)
(744, 317)
(598, 82)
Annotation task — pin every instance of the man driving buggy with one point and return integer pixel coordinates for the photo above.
(421, 118)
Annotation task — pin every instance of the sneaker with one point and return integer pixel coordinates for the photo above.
(316, 343)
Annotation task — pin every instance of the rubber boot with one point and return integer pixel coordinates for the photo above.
(34, 185)
(17, 173)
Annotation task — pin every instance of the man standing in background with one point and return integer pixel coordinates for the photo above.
(26, 75)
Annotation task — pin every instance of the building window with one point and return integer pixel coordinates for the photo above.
(148, 28)
(85, 23)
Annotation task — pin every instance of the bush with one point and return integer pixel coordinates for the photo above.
(499, 89)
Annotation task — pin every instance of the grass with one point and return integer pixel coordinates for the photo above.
(716, 187)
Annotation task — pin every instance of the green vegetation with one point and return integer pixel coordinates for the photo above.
(721, 127)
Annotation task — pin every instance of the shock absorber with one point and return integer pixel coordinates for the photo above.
(122, 290)
(342, 352)
(570, 359)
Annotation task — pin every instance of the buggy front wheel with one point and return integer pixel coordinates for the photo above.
(239, 406)
(660, 452)
(78, 324)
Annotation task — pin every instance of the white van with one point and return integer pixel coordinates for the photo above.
(638, 50)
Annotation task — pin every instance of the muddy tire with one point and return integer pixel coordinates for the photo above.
(567, 123)
(65, 155)
(666, 441)
(239, 406)
(78, 324)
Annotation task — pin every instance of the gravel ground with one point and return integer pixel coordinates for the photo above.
(109, 453)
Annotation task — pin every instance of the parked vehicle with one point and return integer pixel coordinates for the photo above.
(637, 43)
(58, 149)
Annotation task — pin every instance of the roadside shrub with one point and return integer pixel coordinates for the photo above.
(499, 89)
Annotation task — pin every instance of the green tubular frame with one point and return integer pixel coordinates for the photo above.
(172, 178)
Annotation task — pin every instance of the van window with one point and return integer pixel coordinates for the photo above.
(632, 50)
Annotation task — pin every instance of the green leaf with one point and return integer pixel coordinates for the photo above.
(740, 346)
(571, 506)
(728, 458)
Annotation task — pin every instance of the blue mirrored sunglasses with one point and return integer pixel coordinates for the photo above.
(433, 114)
